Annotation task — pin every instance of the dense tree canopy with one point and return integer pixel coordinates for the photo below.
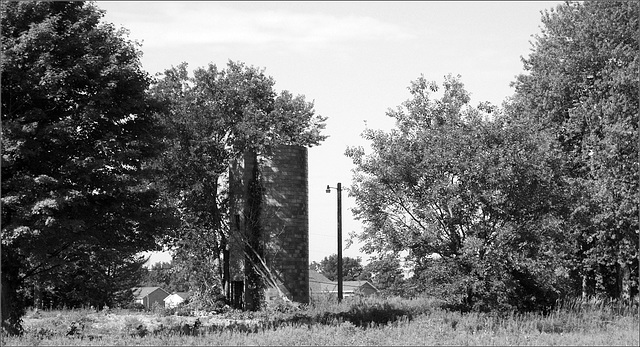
(78, 128)
(581, 83)
(214, 117)
(352, 269)
(386, 274)
(517, 206)
(466, 184)
(165, 275)
(496, 208)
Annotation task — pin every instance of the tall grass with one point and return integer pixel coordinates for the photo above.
(359, 321)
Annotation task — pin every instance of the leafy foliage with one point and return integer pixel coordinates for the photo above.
(363, 321)
(470, 185)
(581, 84)
(78, 130)
(386, 274)
(92, 278)
(165, 275)
(519, 206)
(214, 117)
(352, 269)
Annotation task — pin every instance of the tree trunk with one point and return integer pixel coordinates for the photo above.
(588, 284)
(5, 298)
(12, 304)
(37, 295)
(624, 281)
(226, 271)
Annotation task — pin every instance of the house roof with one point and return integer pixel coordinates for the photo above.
(183, 295)
(141, 292)
(315, 276)
(358, 284)
(319, 283)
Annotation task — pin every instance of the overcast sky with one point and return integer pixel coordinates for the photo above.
(355, 60)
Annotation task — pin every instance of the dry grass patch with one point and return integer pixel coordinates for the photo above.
(363, 321)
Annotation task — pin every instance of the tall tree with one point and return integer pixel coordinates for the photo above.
(386, 274)
(78, 128)
(470, 185)
(352, 269)
(215, 116)
(581, 83)
(90, 277)
(165, 275)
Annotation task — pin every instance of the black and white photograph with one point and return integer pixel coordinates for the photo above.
(327, 173)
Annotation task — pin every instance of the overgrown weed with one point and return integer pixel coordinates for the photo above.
(355, 320)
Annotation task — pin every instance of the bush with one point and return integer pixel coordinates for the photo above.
(490, 285)
(208, 302)
(354, 321)
(282, 306)
(134, 327)
(135, 306)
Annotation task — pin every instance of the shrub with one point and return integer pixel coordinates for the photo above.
(134, 327)
(135, 306)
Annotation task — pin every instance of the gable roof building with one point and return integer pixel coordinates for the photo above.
(319, 285)
(148, 296)
(175, 299)
(352, 287)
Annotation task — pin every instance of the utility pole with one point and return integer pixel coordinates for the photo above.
(340, 286)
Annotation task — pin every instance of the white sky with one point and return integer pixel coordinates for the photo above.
(354, 59)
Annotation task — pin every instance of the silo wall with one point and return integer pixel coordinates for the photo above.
(269, 196)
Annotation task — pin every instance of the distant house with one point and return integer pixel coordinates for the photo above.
(175, 299)
(319, 285)
(148, 296)
(353, 287)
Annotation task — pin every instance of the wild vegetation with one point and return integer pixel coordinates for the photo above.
(514, 207)
(505, 213)
(355, 321)
(78, 130)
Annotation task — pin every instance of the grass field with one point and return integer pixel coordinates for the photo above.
(370, 321)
